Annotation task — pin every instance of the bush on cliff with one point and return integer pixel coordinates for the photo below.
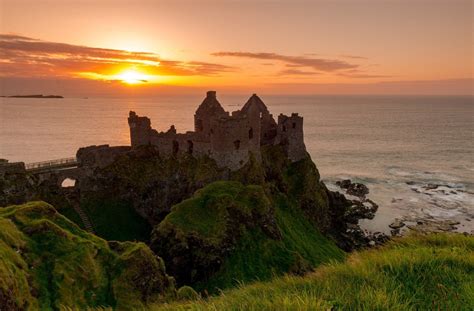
(434, 272)
(47, 262)
(228, 233)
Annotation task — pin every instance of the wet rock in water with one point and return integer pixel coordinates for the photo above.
(431, 187)
(355, 189)
(434, 226)
(349, 212)
(360, 210)
(395, 232)
(359, 190)
(344, 184)
(397, 224)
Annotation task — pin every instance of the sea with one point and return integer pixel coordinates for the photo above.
(415, 153)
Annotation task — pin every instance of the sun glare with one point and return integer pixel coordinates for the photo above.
(132, 77)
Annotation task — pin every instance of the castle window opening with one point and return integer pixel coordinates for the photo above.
(199, 125)
(190, 147)
(237, 144)
(294, 125)
(251, 133)
(175, 147)
(284, 128)
(68, 183)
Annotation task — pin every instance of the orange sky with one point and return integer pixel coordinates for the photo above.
(353, 46)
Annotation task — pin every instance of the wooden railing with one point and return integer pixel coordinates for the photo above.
(51, 164)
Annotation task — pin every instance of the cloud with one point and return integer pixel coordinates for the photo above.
(362, 75)
(297, 72)
(24, 56)
(353, 56)
(319, 64)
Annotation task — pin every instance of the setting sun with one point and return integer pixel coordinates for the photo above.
(132, 77)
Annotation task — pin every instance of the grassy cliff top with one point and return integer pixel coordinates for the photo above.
(238, 233)
(434, 272)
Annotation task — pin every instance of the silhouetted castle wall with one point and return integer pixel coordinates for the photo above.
(227, 138)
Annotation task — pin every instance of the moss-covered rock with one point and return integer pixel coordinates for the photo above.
(199, 232)
(47, 262)
(228, 232)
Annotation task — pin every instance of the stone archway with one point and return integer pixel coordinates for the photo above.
(68, 182)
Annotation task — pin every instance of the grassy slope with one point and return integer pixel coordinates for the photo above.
(433, 272)
(47, 261)
(259, 258)
(256, 256)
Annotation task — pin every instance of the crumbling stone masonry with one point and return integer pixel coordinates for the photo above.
(229, 139)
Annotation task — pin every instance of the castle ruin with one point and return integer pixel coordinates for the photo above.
(227, 138)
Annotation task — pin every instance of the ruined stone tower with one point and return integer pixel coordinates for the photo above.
(229, 139)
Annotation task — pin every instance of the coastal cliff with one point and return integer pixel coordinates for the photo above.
(212, 228)
(274, 202)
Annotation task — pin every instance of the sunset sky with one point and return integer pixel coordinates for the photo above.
(86, 47)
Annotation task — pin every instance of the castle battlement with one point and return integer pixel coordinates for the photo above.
(228, 138)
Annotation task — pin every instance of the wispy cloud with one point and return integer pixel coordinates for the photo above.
(297, 72)
(24, 56)
(319, 64)
(353, 56)
(359, 74)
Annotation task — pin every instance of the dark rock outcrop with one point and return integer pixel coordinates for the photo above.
(355, 189)
(16, 185)
(198, 234)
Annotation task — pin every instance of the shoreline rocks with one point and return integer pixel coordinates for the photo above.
(354, 209)
(355, 189)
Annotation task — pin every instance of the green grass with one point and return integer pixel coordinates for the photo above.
(263, 236)
(434, 272)
(47, 261)
(116, 220)
(258, 257)
(206, 211)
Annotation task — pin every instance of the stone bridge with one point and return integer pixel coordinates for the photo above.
(51, 165)
(57, 170)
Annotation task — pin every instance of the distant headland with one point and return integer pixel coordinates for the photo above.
(34, 96)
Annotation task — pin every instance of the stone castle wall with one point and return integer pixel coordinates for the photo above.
(290, 135)
(227, 138)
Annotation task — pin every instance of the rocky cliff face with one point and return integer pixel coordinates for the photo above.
(150, 183)
(16, 186)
